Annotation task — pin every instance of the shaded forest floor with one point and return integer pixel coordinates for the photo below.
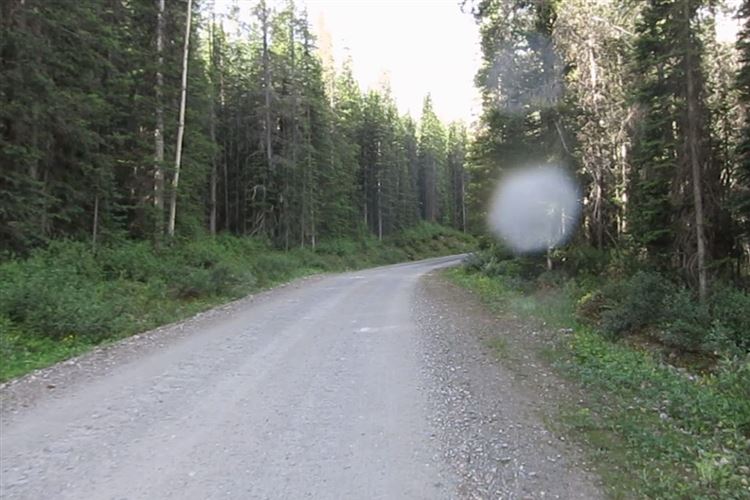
(65, 299)
(652, 429)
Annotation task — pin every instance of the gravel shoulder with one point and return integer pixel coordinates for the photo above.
(492, 395)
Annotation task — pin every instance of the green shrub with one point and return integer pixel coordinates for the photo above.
(311, 259)
(686, 322)
(623, 263)
(478, 261)
(340, 247)
(243, 246)
(193, 284)
(391, 254)
(74, 257)
(584, 259)
(132, 260)
(635, 303)
(517, 272)
(503, 268)
(204, 253)
(274, 267)
(60, 291)
(56, 307)
(731, 309)
(474, 262)
(8, 331)
(498, 252)
(425, 240)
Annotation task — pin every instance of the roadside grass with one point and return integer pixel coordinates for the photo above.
(655, 431)
(65, 299)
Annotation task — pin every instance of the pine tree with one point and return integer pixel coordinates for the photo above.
(431, 161)
(112, 111)
(670, 157)
(456, 174)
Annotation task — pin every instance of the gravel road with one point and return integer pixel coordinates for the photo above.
(357, 385)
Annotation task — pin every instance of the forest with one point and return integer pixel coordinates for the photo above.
(164, 123)
(649, 110)
(647, 106)
(151, 119)
(161, 157)
(642, 101)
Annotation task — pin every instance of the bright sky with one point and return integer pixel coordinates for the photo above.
(423, 45)
(727, 24)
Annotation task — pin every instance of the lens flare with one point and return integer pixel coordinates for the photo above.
(535, 209)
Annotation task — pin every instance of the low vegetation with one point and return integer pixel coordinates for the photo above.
(66, 298)
(667, 378)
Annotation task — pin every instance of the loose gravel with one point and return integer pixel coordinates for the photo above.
(490, 405)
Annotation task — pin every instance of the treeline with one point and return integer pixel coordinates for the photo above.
(152, 118)
(641, 101)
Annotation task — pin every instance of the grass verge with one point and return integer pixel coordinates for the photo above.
(655, 430)
(66, 298)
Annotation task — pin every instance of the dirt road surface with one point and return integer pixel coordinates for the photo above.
(363, 385)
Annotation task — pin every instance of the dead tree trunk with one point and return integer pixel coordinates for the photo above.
(267, 104)
(159, 128)
(95, 225)
(181, 123)
(693, 139)
(212, 131)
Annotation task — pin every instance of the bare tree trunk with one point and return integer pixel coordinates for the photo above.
(266, 86)
(34, 166)
(463, 201)
(364, 192)
(623, 195)
(45, 203)
(212, 130)
(601, 223)
(294, 140)
(225, 169)
(549, 259)
(181, 123)
(695, 164)
(212, 181)
(95, 228)
(379, 194)
(380, 211)
(222, 105)
(159, 128)
(263, 14)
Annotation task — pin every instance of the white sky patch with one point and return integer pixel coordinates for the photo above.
(727, 24)
(423, 46)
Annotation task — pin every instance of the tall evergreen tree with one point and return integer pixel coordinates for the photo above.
(431, 161)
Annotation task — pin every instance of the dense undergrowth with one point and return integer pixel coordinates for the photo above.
(66, 298)
(667, 378)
